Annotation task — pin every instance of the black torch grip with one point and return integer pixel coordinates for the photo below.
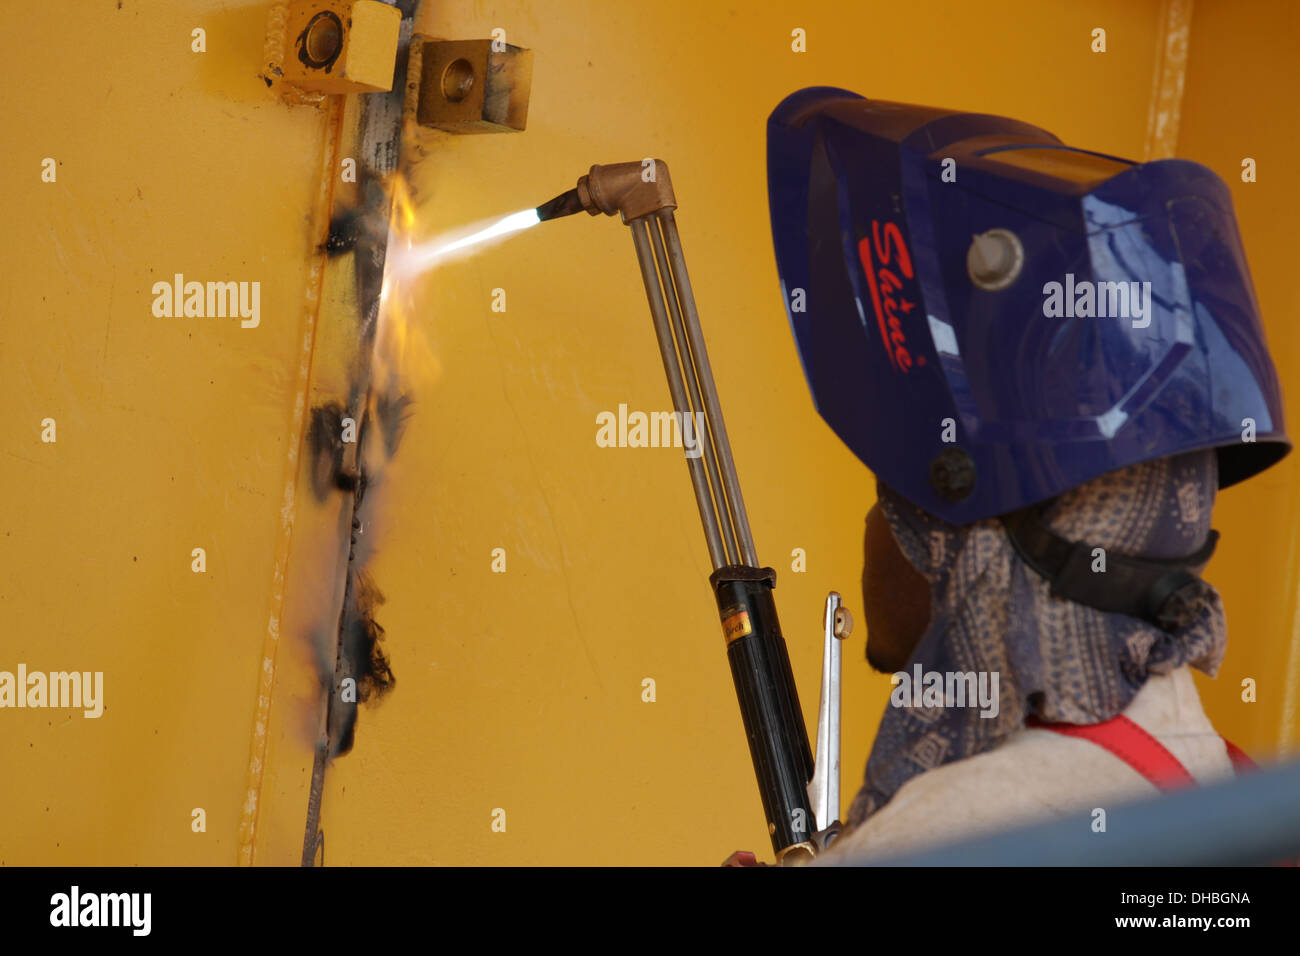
(769, 701)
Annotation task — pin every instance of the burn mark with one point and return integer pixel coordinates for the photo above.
(354, 652)
(392, 409)
(362, 657)
(325, 438)
(362, 229)
(345, 230)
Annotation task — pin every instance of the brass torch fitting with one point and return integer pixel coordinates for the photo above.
(632, 189)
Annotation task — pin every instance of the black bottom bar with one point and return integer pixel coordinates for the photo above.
(374, 907)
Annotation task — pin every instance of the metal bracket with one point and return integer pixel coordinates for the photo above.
(473, 86)
(339, 46)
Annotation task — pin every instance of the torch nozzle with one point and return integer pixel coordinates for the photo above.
(565, 204)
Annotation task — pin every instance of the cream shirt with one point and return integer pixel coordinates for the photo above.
(1038, 774)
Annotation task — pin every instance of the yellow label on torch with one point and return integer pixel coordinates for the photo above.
(736, 625)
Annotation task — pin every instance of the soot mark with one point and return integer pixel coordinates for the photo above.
(364, 224)
(362, 657)
(325, 439)
(345, 230)
(392, 409)
(355, 652)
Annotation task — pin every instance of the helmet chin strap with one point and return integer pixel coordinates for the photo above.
(1165, 592)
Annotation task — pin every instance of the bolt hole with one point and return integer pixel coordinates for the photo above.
(324, 39)
(457, 80)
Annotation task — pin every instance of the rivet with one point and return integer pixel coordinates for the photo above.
(952, 474)
(994, 259)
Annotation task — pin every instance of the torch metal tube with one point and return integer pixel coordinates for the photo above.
(708, 448)
(677, 387)
(730, 480)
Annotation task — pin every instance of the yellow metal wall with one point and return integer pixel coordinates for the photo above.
(1243, 61)
(519, 691)
(172, 434)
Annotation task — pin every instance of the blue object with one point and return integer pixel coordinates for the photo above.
(972, 401)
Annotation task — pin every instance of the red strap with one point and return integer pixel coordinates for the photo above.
(1131, 744)
(1137, 748)
(1241, 761)
(1148, 756)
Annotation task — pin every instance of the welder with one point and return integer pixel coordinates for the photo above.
(1045, 475)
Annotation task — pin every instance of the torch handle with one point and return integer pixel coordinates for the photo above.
(769, 706)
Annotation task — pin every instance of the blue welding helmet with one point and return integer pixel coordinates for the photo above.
(936, 269)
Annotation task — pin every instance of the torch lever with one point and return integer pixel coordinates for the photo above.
(824, 790)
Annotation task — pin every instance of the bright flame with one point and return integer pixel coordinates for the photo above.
(412, 262)
(404, 355)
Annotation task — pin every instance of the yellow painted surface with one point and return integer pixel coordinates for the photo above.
(1243, 60)
(520, 691)
(172, 433)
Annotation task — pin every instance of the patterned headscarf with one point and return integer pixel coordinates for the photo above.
(1055, 659)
